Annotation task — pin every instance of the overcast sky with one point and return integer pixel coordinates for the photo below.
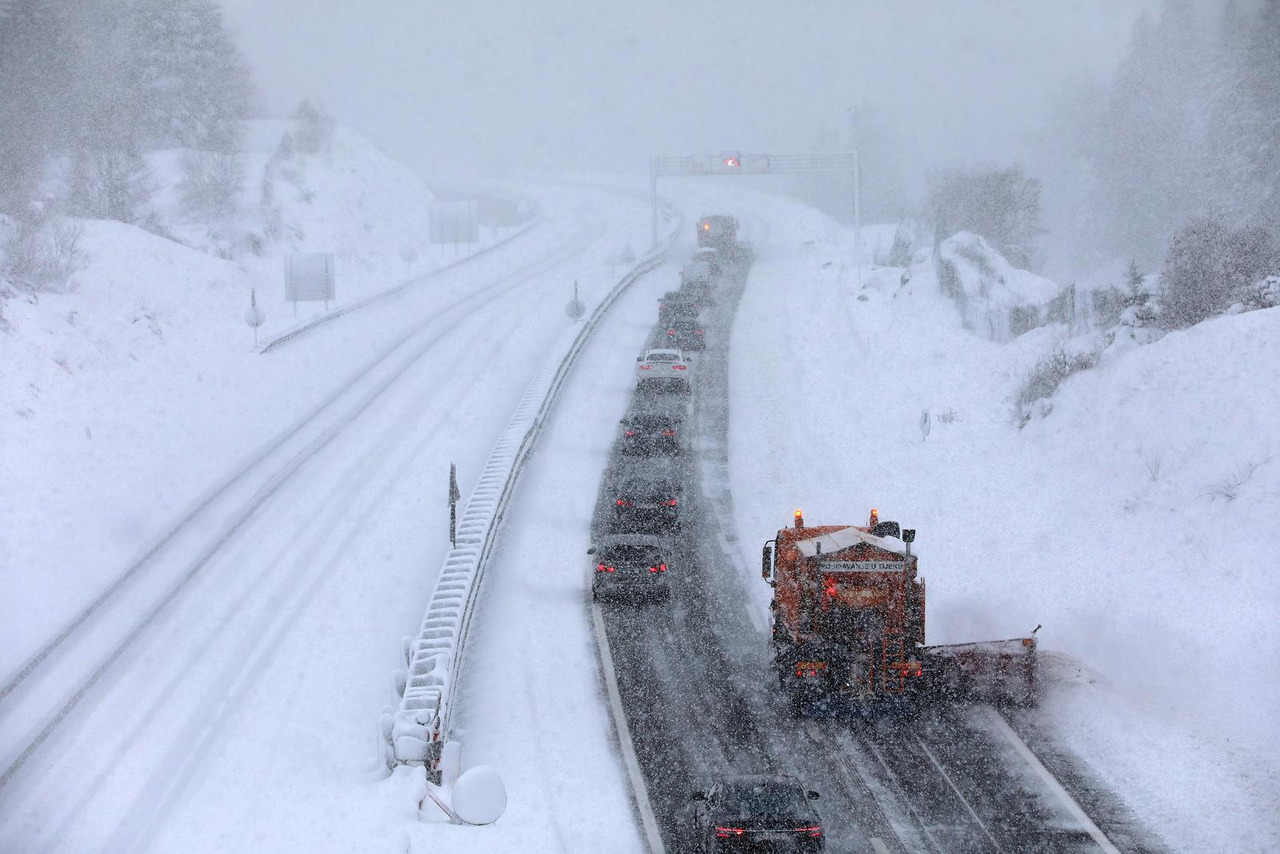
(448, 84)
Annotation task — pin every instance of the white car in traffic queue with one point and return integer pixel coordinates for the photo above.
(663, 367)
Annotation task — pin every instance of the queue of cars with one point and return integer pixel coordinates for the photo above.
(645, 486)
(633, 560)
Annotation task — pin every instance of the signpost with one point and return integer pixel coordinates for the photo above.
(454, 222)
(575, 309)
(254, 316)
(308, 276)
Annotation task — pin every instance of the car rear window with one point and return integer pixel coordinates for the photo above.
(763, 799)
(632, 554)
(648, 488)
(663, 357)
(653, 422)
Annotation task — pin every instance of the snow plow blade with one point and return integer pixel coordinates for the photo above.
(1001, 672)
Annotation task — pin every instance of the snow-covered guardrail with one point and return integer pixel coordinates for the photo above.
(415, 733)
(285, 337)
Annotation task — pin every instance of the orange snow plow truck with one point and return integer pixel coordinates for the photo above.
(848, 628)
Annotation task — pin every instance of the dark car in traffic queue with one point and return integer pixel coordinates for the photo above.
(650, 434)
(647, 501)
(686, 334)
(629, 566)
(696, 283)
(757, 813)
(676, 304)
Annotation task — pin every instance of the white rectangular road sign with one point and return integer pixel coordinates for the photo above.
(308, 276)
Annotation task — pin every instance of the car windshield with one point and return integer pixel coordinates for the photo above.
(765, 798)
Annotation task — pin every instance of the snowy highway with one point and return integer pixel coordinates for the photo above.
(922, 359)
(699, 668)
(226, 695)
(253, 643)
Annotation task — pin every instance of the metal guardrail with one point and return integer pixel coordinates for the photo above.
(415, 733)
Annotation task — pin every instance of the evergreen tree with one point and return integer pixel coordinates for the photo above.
(1137, 286)
(1209, 266)
(37, 97)
(1002, 205)
(1224, 150)
(900, 253)
(1147, 155)
(1250, 117)
(186, 71)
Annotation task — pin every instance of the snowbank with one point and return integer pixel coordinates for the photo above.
(995, 299)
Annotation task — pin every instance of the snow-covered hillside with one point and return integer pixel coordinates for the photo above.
(1132, 521)
(135, 388)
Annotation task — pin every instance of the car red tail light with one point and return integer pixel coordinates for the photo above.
(624, 502)
(603, 567)
(815, 831)
(668, 432)
(810, 668)
(671, 333)
(670, 502)
(630, 433)
(697, 332)
(679, 367)
(646, 367)
(724, 832)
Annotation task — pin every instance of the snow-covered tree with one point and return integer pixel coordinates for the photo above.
(1002, 205)
(1136, 291)
(211, 181)
(314, 128)
(1210, 266)
(1146, 151)
(187, 72)
(1246, 139)
(900, 252)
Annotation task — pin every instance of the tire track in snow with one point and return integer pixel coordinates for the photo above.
(175, 775)
(467, 306)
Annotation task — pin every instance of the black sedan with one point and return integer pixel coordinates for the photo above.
(686, 334)
(650, 434)
(757, 812)
(629, 565)
(647, 504)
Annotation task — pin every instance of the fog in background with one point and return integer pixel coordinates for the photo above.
(1071, 135)
(602, 86)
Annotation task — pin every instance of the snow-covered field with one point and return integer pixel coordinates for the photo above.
(1133, 521)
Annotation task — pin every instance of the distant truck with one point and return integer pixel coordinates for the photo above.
(848, 628)
(718, 231)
